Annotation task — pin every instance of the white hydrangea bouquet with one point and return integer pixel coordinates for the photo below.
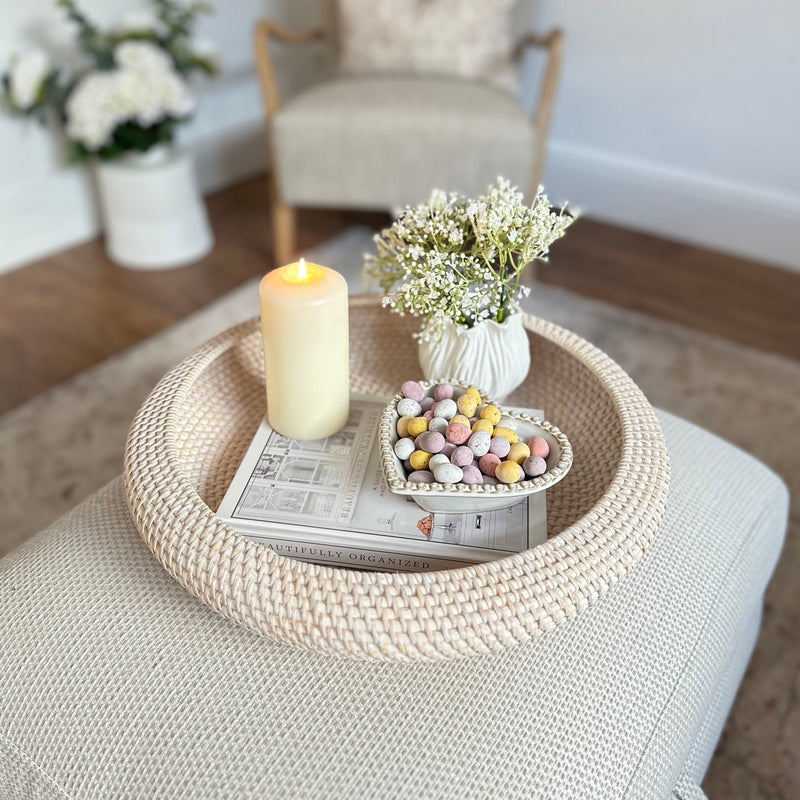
(457, 263)
(134, 91)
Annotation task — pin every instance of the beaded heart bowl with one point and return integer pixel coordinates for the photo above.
(463, 498)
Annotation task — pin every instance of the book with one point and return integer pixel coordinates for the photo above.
(326, 501)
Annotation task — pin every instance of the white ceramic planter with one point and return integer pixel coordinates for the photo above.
(493, 355)
(153, 212)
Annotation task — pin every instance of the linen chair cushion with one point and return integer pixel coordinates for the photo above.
(382, 143)
(116, 682)
(461, 38)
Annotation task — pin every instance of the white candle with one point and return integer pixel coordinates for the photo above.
(304, 327)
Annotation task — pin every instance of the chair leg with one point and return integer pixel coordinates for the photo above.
(284, 231)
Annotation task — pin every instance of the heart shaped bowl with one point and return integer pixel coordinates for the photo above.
(460, 498)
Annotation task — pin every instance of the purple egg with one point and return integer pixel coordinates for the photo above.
(413, 390)
(407, 466)
(534, 466)
(462, 456)
(444, 391)
(421, 476)
(500, 447)
(472, 475)
(426, 403)
(448, 449)
(430, 442)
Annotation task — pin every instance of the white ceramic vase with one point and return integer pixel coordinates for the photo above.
(154, 215)
(494, 356)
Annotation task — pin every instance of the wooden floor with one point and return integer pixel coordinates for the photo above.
(70, 311)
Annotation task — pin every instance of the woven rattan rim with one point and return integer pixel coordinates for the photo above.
(396, 616)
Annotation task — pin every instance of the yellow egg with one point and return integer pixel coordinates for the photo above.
(506, 472)
(461, 419)
(467, 405)
(475, 393)
(483, 425)
(492, 413)
(402, 426)
(519, 452)
(417, 426)
(506, 433)
(420, 459)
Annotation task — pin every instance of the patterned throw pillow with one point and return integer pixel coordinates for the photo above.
(461, 38)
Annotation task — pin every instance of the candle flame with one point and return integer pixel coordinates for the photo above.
(301, 271)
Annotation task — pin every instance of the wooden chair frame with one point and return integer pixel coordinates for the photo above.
(284, 216)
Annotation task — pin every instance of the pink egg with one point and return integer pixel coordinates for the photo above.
(426, 403)
(462, 456)
(500, 447)
(421, 476)
(448, 449)
(471, 475)
(488, 464)
(457, 433)
(444, 391)
(534, 466)
(430, 442)
(413, 390)
(428, 414)
(539, 446)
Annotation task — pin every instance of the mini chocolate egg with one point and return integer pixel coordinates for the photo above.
(519, 452)
(471, 475)
(492, 413)
(462, 456)
(431, 442)
(403, 448)
(500, 447)
(409, 407)
(539, 446)
(490, 480)
(407, 466)
(506, 433)
(474, 393)
(457, 434)
(461, 420)
(488, 464)
(427, 403)
(467, 405)
(508, 472)
(479, 443)
(438, 424)
(445, 408)
(444, 391)
(402, 426)
(439, 458)
(508, 422)
(421, 476)
(534, 466)
(449, 448)
(419, 459)
(413, 390)
(482, 425)
(428, 414)
(417, 426)
(448, 473)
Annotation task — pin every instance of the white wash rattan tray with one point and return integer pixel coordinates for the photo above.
(191, 433)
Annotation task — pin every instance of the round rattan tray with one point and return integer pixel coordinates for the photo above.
(191, 433)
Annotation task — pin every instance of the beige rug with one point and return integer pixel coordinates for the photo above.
(62, 446)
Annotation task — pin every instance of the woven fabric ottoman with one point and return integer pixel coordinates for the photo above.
(116, 682)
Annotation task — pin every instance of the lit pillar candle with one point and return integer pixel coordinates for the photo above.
(304, 327)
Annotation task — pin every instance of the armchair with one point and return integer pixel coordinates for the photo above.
(385, 141)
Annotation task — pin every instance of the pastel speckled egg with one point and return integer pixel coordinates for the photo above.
(404, 448)
(508, 472)
(402, 426)
(409, 407)
(457, 433)
(407, 466)
(462, 456)
(428, 414)
(475, 393)
(438, 424)
(420, 459)
(492, 413)
(444, 391)
(539, 446)
(413, 390)
(479, 443)
(439, 458)
(467, 405)
(471, 475)
(490, 480)
(448, 473)
(427, 403)
(445, 408)
(506, 433)
(421, 476)
(431, 442)
(508, 422)
(534, 466)
(417, 426)
(519, 452)
(461, 420)
(488, 464)
(500, 446)
(482, 425)
(449, 448)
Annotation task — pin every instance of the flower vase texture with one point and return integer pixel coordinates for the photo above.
(154, 215)
(493, 356)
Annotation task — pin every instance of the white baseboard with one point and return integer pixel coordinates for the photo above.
(748, 221)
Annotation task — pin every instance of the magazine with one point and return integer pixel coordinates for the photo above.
(327, 501)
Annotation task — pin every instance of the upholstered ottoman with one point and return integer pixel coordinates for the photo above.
(115, 682)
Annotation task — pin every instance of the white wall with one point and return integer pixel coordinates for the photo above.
(683, 118)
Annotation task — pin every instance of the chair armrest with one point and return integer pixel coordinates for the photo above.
(263, 33)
